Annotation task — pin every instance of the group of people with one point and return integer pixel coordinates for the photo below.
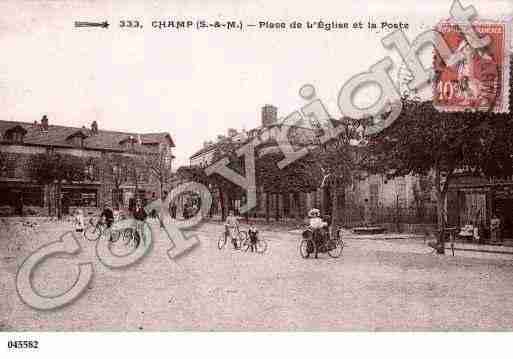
(231, 226)
(319, 226)
(137, 212)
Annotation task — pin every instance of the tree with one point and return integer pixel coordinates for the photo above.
(301, 176)
(116, 169)
(160, 167)
(56, 168)
(424, 141)
(192, 174)
(228, 191)
(338, 162)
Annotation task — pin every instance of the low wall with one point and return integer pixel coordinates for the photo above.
(416, 228)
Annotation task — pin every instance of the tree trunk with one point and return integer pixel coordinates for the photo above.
(277, 208)
(397, 214)
(267, 207)
(161, 190)
(297, 205)
(336, 215)
(223, 209)
(49, 199)
(440, 201)
(116, 198)
(441, 223)
(59, 200)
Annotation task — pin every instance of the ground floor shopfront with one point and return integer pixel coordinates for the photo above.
(25, 198)
(477, 200)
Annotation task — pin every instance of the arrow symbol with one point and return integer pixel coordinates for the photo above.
(104, 24)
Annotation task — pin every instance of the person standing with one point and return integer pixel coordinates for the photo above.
(495, 228)
(140, 216)
(253, 237)
(79, 221)
(107, 216)
(231, 226)
(173, 210)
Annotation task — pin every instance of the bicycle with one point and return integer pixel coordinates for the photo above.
(241, 237)
(94, 231)
(261, 244)
(312, 244)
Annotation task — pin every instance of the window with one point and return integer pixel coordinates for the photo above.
(117, 197)
(78, 141)
(10, 169)
(15, 134)
(33, 196)
(17, 137)
(77, 197)
(144, 176)
(90, 172)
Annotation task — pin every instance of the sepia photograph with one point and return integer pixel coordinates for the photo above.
(255, 166)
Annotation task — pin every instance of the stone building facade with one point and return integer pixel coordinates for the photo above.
(19, 142)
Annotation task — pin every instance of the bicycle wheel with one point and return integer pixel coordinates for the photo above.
(246, 243)
(261, 246)
(92, 233)
(128, 236)
(243, 241)
(307, 247)
(221, 242)
(115, 236)
(334, 247)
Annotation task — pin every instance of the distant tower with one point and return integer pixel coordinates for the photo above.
(94, 127)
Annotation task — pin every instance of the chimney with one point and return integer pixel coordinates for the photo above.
(232, 132)
(94, 127)
(44, 124)
(269, 115)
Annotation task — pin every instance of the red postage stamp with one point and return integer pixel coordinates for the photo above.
(479, 79)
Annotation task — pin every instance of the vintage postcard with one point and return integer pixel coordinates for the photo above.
(254, 166)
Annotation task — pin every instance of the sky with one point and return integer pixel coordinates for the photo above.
(194, 84)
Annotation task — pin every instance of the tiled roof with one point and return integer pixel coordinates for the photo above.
(305, 125)
(204, 150)
(104, 140)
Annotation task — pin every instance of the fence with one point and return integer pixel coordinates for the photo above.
(353, 215)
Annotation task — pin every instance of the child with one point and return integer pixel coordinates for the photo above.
(253, 237)
(79, 221)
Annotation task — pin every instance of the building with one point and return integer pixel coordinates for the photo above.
(99, 149)
(406, 197)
